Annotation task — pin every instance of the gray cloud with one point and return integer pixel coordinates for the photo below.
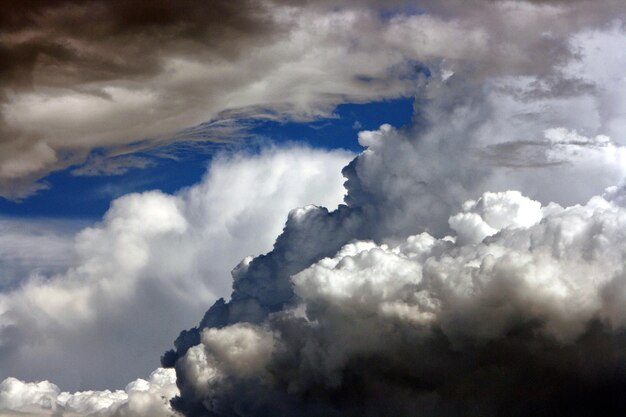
(436, 289)
(56, 53)
(148, 71)
(495, 293)
(511, 324)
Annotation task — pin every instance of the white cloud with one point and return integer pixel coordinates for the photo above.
(492, 213)
(151, 266)
(439, 289)
(140, 398)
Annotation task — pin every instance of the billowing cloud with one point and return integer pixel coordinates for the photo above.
(140, 398)
(477, 254)
(476, 267)
(527, 321)
(148, 268)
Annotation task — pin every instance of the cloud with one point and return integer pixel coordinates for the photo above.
(146, 73)
(140, 398)
(70, 86)
(457, 279)
(112, 166)
(493, 212)
(456, 275)
(34, 247)
(155, 257)
(435, 327)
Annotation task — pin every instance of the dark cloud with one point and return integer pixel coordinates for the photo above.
(83, 46)
(424, 296)
(521, 374)
(65, 42)
(436, 289)
(508, 325)
(77, 76)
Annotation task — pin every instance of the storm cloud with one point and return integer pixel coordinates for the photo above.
(528, 321)
(439, 288)
(476, 266)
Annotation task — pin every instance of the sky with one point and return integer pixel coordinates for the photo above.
(318, 208)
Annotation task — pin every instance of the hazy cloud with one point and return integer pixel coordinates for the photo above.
(34, 247)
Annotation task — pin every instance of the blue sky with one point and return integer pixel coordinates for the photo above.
(88, 197)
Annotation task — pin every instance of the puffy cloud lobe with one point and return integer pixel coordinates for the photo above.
(435, 327)
(140, 398)
(15, 395)
(492, 213)
(157, 258)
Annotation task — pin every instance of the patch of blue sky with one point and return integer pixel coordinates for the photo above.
(339, 131)
(89, 196)
(400, 9)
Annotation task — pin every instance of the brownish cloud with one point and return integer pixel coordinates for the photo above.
(78, 75)
(61, 42)
(58, 45)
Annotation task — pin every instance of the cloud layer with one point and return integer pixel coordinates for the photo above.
(148, 71)
(140, 398)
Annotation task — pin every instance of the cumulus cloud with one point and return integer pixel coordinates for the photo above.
(493, 212)
(155, 257)
(478, 261)
(140, 398)
(476, 266)
(432, 326)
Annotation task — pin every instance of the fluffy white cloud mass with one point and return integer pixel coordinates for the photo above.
(140, 398)
(150, 267)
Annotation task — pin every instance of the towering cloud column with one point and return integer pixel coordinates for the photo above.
(477, 265)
